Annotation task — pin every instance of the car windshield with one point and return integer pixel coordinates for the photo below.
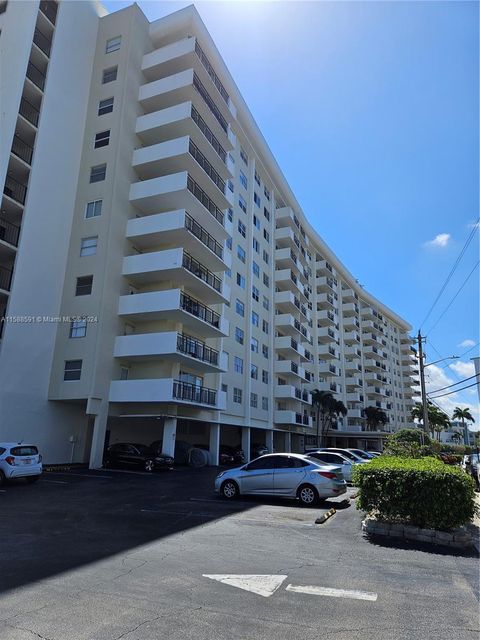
(362, 454)
(24, 451)
(142, 448)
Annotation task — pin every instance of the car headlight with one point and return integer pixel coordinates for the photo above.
(222, 473)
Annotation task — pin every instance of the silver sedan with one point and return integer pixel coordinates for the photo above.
(290, 475)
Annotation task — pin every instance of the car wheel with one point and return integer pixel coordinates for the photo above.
(32, 479)
(307, 495)
(148, 466)
(230, 490)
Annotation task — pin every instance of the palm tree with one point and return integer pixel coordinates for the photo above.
(328, 409)
(374, 417)
(436, 418)
(456, 437)
(462, 415)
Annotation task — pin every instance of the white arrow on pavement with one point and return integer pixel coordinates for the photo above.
(262, 585)
(333, 593)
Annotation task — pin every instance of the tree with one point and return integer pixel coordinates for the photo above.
(463, 415)
(374, 417)
(328, 409)
(437, 419)
(408, 443)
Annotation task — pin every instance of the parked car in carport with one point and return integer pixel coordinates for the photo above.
(236, 453)
(223, 457)
(134, 455)
(257, 450)
(290, 475)
(336, 459)
(19, 460)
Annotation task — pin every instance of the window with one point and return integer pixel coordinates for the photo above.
(113, 44)
(256, 269)
(256, 222)
(242, 229)
(105, 106)
(256, 198)
(124, 372)
(254, 400)
(224, 388)
(237, 395)
(109, 75)
(264, 403)
(243, 155)
(266, 213)
(262, 463)
(255, 319)
(254, 345)
(257, 177)
(230, 214)
(98, 173)
(242, 204)
(240, 281)
(84, 286)
(266, 193)
(255, 293)
(88, 246)
(102, 139)
(239, 335)
(265, 327)
(229, 243)
(266, 257)
(230, 185)
(78, 329)
(240, 308)
(93, 209)
(264, 376)
(256, 245)
(265, 351)
(241, 253)
(266, 280)
(232, 159)
(228, 273)
(73, 370)
(238, 365)
(266, 303)
(243, 180)
(254, 372)
(266, 235)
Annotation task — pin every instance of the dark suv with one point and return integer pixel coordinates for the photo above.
(128, 455)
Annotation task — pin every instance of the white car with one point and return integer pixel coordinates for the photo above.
(19, 460)
(290, 475)
(335, 459)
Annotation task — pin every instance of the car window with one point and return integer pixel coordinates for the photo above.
(2, 450)
(350, 455)
(142, 448)
(24, 451)
(283, 462)
(261, 463)
(298, 463)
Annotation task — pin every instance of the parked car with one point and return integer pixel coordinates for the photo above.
(336, 459)
(363, 454)
(290, 475)
(236, 453)
(348, 453)
(223, 457)
(127, 454)
(375, 454)
(257, 450)
(19, 460)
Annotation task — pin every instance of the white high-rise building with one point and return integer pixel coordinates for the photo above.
(158, 279)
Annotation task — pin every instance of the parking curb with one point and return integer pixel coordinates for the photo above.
(325, 516)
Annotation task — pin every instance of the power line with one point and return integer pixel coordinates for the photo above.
(455, 383)
(452, 271)
(456, 391)
(455, 296)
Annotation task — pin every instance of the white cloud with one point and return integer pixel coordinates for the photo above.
(465, 369)
(440, 240)
(467, 343)
(437, 378)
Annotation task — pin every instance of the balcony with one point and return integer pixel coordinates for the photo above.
(326, 300)
(330, 387)
(327, 352)
(170, 346)
(288, 280)
(176, 265)
(36, 76)
(29, 112)
(5, 279)
(9, 232)
(353, 366)
(353, 382)
(49, 8)
(285, 217)
(42, 42)
(325, 318)
(290, 392)
(368, 313)
(326, 284)
(292, 417)
(287, 344)
(178, 228)
(291, 326)
(177, 306)
(352, 352)
(166, 390)
(290, 368)
(351, 337)
(15, 190)
(374, 365)
(406, 339)
(327, 370)
(287, 302)
(375, 390)
(286, 238)
(350, 309)
(324, 268)
(354, 397)
(349, 295)
(355, 413)
(374, 353)
(350, 323)
(326, 335)
(22, 150)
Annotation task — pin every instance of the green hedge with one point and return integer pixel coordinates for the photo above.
(423, 492)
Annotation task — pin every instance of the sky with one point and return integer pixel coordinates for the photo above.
(371, 110)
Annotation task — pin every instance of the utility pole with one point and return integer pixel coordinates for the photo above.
(422, 382)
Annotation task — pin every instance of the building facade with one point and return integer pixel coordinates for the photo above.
(158, 279)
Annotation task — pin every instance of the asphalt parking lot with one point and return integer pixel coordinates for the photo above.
(108, 555)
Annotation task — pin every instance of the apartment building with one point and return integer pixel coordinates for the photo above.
(158, 278)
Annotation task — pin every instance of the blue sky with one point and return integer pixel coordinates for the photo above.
(371, 109)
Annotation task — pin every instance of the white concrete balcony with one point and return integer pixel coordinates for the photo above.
(374, 365)
(356, 396)
(326, 284)
(406, 339)
(351, 337)
(288, 302)
(327, 301)
(285, 217)
(292, 417)
(368, 313)
(326, 335)
(290, 346)
(351, 323)
(372, 352)
(285, 237)
(286, 258)
(352, 352)
(408, 359)
(350, 309)
(353, 382)
(176, 265)
(179, 228)
(160, 390)
(324, 268)
(410, 381)
(328, 370)
(331, 387)
(409, 370)
(289, 368)
(287, 279)
(288, 324)
(373, 326)
(376, 390)
(355, 413)
(288, 391)
(326, 317)
(349, 295)
(175, 305)
(327, 352)
(179, 191)
(179, 155)
(372, 338)
(353, 366)
(171, 346)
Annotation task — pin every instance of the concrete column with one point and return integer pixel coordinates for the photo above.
(288, 442)
(169, 436)
(269, 440)
(246, 442)
(214, 445)
(98, 437)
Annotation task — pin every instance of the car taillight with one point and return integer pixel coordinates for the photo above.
(328, 474)
(40, 457)
(10, 460)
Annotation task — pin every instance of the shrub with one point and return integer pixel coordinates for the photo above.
(422, 492)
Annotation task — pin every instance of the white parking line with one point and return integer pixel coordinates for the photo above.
(55, 481)
(81, 475)
(333, 593)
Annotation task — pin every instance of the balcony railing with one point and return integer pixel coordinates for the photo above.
(5, 278)
(195, 267)
(302, 419)
(205, 238)
(36, 76)
(205, 129)
(202, 197)
(29, 112)
(22, 150)
(196, 349)
(209, 102)
(15, 190)
(9, 232)
(204, 60)
(194, 393)
(206, 166)
(42, 42)
(49, 8)
(199, 310)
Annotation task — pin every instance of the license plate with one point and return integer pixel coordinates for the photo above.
(27, 461)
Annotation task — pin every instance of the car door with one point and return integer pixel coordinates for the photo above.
(129, 455)
(288, 475)
(257, 476)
